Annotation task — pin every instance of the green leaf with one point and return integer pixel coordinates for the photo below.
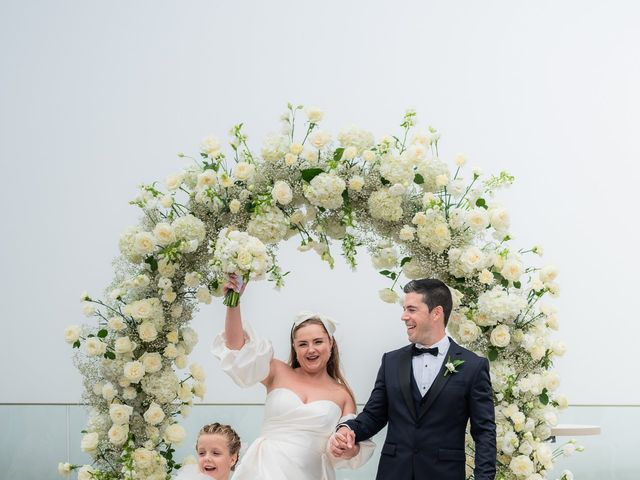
(419, 179)
(517, 284)
(385, 181)
(404, 261)
(337, 155)
(389, 274)
(110, 355)
(345, 197)
(152, 262)
(481, 203)
(543, 397)
(102, 333)
(493, 354)
(309, 174)
(76, 344)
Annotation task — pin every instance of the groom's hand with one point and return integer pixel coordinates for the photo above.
(343, 444)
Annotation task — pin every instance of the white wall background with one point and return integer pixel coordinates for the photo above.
(97, 97)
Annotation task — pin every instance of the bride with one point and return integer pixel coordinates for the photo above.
(306, 398)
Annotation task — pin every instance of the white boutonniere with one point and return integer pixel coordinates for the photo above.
(451, 366)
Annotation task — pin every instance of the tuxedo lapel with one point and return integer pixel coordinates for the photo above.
(404, 376)
(441, 380)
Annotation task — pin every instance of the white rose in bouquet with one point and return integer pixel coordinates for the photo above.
(72, 333)
(240, 254)
(174, 433)
(89, 442)
(119, 413)
(154, 414)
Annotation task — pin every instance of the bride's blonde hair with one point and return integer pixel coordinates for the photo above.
(333, 365)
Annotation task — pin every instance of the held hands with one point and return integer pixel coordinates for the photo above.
(343, 444)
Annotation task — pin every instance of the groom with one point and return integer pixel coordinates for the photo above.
(427, 396)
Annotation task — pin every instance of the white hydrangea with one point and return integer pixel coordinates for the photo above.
(325, 190)
(189, 228)
(240, 253)
(356, 137)
(430, 169)
(385, 258)
(500, 306)
(434, 232)
(275, 147)
(385, 206)
(270, 225)
(397, 169)
(163, 386)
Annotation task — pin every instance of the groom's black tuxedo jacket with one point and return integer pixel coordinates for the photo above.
(426, 436)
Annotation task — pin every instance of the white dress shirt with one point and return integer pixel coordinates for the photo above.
(427, 366)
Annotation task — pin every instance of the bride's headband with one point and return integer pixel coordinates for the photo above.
(329, 325)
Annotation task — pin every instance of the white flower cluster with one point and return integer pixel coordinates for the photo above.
(325, 190)
(242, 254)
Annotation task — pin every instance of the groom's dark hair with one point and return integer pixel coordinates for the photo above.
(435, 293)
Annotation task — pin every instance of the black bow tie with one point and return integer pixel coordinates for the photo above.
(419, 351)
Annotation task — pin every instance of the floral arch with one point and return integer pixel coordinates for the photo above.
(417, 217)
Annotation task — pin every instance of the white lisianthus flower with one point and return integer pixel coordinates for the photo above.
(521, 465)
(544, 455)
(174, 433)
(568, 449)
(118, 434)
(500, 336)
(94, 347)
(154, 414)
(152, 362)
(164, 234)
(388, 295)
(356, 183)
(134, 371)
(120, 413)
(123, 345)
(282, 193)
(314, 114)
(208, 178)
(72, 333)
(173, 182)
(89, 442)
(147, 331)
(407, 233)
(210, 145)
(144, 243)
(64, 469)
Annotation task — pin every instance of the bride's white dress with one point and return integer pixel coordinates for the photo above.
(293, 444)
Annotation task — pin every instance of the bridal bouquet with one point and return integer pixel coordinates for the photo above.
(243, 255)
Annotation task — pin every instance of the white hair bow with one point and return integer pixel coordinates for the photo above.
(329, 324)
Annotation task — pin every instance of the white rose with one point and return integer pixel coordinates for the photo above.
(86, 473)
(88, 308)
(282, 193)
(173, 336)
(210, 145)
(147, 331)
(521, 465)
(499, 219)
(296, 148)
(116, 324)
(419, 219)
(134, 371)
(94, 347)
(500, 336)
(118, 434)
(388, 295)
(129, 393)
(485, 277)
(181, 361)
(144, 243)
(164, 234)
(154, 414)
(72, 333)
(562, 401)
(349, 153)
(89, 442)
(478, 219)
(320, 139)
(407, 233)
(314, 114)
(152, 362)
(368, 156)
(197, 372)
(170, 351)
(123, 345)
(512, 270)
(290, 159)
(468, 331)
(108, 391)
(120, 414)
(174, 433)
(199, 389)
(551, 380)
(169, 296)
(225, 180)
(176, 310)
(203, 295)
(244, 171)
(173, 182)
(548, 274)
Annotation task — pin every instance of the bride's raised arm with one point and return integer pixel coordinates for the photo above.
(233, 331)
